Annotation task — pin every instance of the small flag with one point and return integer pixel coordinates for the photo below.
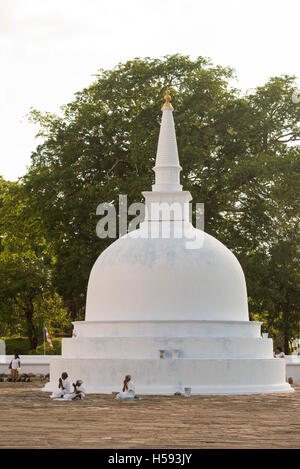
(48, 337)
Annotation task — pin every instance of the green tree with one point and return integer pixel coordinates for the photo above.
(267, 213)
(25, 264)
(239, 155)
(105, 144)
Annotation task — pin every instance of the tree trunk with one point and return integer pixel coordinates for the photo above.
(72, 306)
(286, 331)
(286, 344)
(31, 330)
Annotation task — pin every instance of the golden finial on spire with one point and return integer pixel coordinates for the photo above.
(167, 104)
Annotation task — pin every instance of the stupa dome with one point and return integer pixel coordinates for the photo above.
(138, 278)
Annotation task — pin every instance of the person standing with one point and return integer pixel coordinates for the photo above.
(14, 366)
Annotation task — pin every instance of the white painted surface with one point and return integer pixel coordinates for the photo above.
(292, 367)
(167, 167)
(166, 376)
(147, 294)
(149, 347)
(239, 362)
(292, 359)
(166, 206)
(41, 364)
(159, 279)
(166, 329)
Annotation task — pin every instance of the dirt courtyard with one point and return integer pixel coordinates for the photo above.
(30, 419)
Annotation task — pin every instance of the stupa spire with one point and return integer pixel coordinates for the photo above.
(167, 99)
(167, 194)
(167, 168)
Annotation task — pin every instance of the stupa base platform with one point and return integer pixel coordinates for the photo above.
(167, 376)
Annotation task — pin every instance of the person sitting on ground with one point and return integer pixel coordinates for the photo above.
(64, 386)
(14, 367)
(128, 390)
(279, 353)
(79, 391)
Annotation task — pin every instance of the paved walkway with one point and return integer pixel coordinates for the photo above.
(29, 419)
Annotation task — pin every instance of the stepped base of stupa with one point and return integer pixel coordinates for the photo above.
(210, 357)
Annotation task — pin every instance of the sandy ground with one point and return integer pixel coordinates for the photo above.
(30, 419)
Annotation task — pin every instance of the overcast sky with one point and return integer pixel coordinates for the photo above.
(49, 49)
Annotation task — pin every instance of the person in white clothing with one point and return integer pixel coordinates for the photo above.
(279, 353)
(128, 391)
(79, 391)
(14, 366)
(64, 386)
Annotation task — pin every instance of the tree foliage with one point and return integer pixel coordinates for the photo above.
(26, 261)
(239, 155)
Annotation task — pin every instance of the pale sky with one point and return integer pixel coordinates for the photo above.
(49, 49)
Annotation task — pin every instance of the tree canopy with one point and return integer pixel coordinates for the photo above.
(239, 154)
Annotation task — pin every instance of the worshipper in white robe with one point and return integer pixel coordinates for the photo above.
(79, 391)
(279, 353)
(64, 386)
(128, 391)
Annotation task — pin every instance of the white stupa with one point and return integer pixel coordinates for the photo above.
(152, 294)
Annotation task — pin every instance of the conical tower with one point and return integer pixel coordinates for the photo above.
(167, 201)
(167, 168)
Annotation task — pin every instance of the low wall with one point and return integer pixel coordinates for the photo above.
(29, 363)
(293, 367)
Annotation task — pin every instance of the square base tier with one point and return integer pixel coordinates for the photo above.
(151, 347)
(170, 328)
(167, 376)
